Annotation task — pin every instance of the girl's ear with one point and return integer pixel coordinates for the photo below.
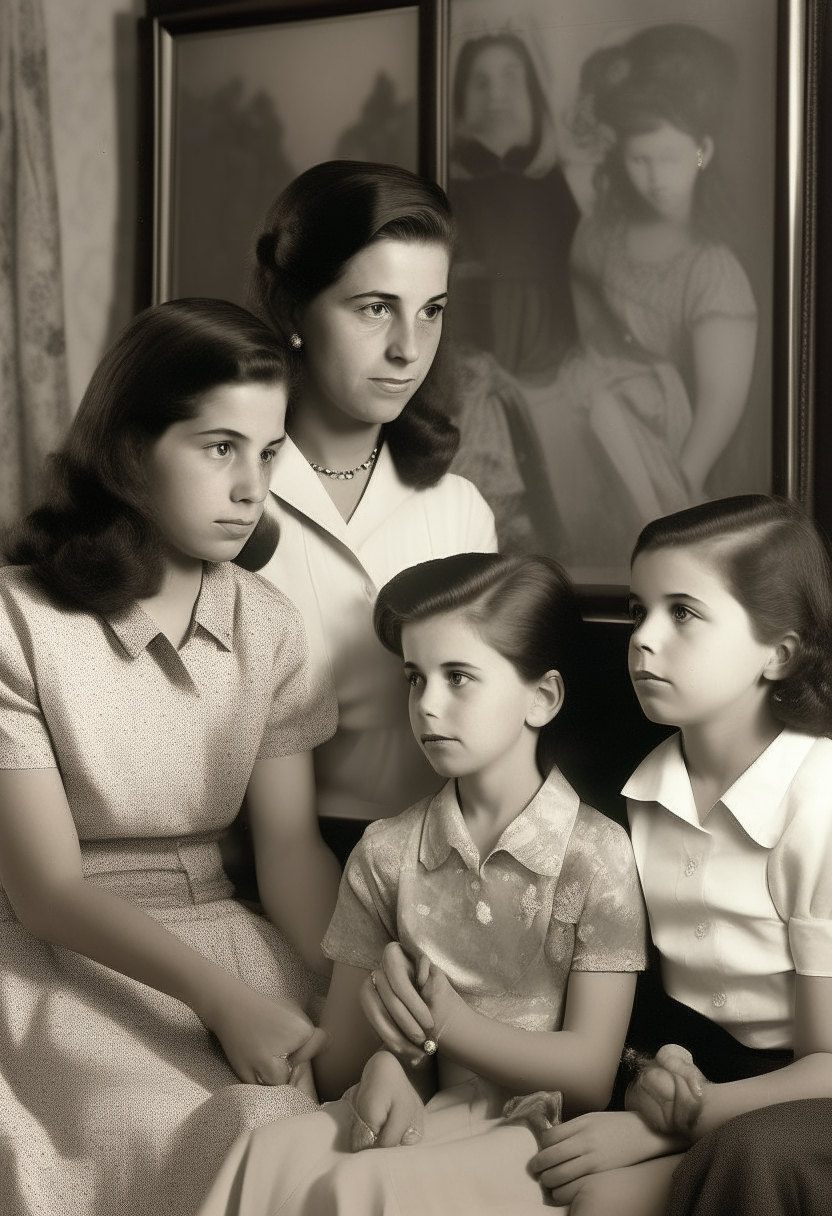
(706, 152)
(782, 658)
(548, 699)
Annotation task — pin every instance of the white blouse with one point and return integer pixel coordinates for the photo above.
(741, 902)
(332, 570)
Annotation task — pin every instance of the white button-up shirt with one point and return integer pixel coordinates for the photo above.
(742, 901)
(332, 569)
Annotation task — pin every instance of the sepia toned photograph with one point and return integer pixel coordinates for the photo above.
(612, 169)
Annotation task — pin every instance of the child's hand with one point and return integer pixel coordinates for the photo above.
(591, 1144)
(387, 1110)
(265, 1040)
(669, 1092)
(405, 1005)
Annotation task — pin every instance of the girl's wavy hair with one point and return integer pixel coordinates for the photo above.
(675, 74)
(314, 227)
(776, 565)
(524, 606)
(94, 543)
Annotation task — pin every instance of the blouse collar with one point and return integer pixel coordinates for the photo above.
(295, 484)
(213, 612)
(757, 799)
(537, 838)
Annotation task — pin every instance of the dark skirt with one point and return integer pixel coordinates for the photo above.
(776, 1161)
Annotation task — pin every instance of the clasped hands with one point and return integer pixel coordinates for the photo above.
(663, 1104)
(409, 1005)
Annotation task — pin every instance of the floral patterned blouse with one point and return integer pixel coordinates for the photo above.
(558, 893)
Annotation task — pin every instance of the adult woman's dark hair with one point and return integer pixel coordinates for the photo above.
(93, 542)
(675, 74)
(746, 538)
(523, 606)
(314, 227)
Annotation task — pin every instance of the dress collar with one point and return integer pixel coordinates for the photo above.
(757, 799)
(537, 838)
(213, 612)
(296, 485)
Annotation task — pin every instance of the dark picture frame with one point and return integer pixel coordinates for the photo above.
(788, 337)
(235, 93)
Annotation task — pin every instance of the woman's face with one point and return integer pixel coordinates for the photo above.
(370, 338)
(498, 107)
(663, 166)
(208, 476)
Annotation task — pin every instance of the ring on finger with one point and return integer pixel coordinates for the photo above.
(259, 1079)
(373, 980)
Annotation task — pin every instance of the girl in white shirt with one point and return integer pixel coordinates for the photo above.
(731, 604)
(352, 271)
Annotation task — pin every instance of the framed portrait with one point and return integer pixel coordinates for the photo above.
(631, 298)
(247, 95)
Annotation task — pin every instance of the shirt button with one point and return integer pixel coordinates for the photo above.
(703, 928)
(475, 884)
(369, 591)
(718, 999)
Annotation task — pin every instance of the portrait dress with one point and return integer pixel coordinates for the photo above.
(115, 1100)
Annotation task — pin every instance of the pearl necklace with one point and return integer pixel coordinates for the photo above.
(346, 474)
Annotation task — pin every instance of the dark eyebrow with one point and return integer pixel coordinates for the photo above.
(683, 595)
(389, 295)
(225, 430)
(452, 666)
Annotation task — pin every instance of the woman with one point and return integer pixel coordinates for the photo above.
(352, 270)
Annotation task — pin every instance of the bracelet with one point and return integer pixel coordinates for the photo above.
(431, 1045)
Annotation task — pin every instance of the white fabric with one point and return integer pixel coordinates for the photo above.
(741, 902)
(333, 570)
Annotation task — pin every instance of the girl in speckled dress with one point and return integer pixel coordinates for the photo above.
(485, 941)
(148, 685)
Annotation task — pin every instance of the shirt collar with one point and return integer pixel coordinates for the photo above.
(295, 484)
(537, 838)
(756, 799)
(213, 612)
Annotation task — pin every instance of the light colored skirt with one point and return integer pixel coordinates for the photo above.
(469, 1163)
(114, 1098)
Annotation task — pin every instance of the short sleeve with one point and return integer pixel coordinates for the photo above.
(364, 920)
(800, 865)
(611, 931)
(717, 287)
(304, 710)
(24, 737)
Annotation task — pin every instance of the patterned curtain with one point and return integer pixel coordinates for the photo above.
(34, 397)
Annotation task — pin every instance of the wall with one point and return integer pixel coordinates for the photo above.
(91, 48)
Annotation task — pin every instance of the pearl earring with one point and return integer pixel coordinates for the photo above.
(296, 342)
(699, 158)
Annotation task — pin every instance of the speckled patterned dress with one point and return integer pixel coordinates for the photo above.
(114, 1099)
(558, 893)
